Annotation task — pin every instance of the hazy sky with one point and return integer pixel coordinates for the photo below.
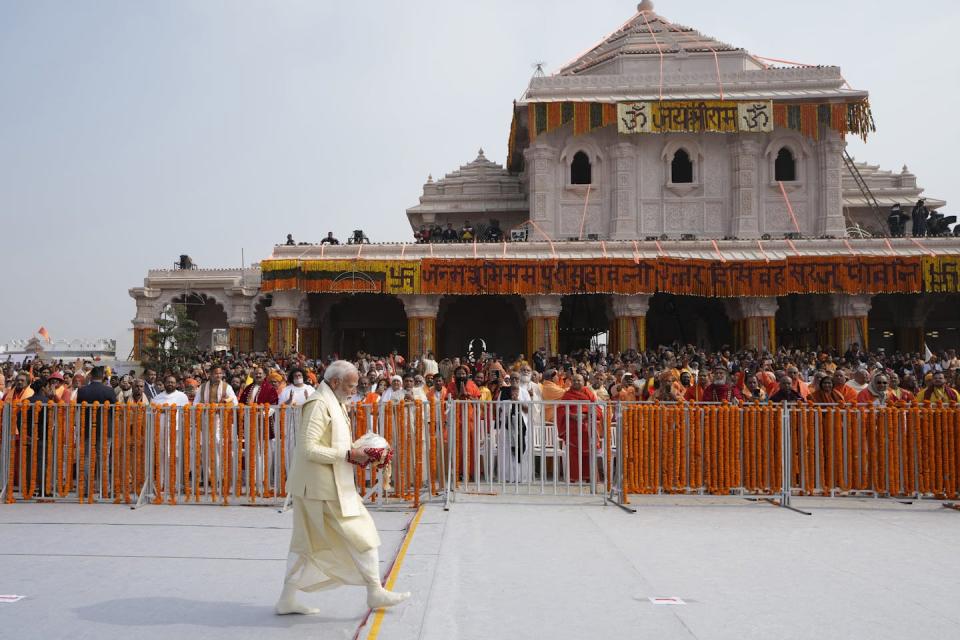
(132, 132)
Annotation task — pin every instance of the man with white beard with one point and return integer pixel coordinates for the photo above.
(536, 394)
(526, 382)
(334, 540)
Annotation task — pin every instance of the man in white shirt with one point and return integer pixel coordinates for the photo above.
(170, 395)
(297, 392)
(860, 379)
(430, 367)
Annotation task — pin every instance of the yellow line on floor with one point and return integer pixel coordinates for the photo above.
(392, 579)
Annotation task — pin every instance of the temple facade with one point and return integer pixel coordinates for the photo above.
(664, 186)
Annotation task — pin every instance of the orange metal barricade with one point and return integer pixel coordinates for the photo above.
(834, 450)
(214, 454)
(218, 454)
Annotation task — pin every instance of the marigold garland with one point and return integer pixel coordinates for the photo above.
(46, 482)
(223, 416)
(253, 432)
(265, 452)
(60, 448)
(93, 458)
(188, 471)
(199, 471)
(156, 471)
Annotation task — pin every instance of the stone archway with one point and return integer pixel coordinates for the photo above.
(907, 322)
(261, 323)
(496, 320)
(369, 322)
(207, 312)
(582, 318)
(688, 320)
(796, 321)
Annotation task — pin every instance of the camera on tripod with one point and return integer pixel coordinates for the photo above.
(939, 224)
(358, 237)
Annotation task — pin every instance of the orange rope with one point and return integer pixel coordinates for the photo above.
(793, 216)
(659, 49)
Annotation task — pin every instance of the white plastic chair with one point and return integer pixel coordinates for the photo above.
(487, 446)
(547, 445)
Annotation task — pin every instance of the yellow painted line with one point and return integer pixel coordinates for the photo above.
(392, 579)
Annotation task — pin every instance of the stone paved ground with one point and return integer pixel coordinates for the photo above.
(498, 568)
(164, 572)
(545, 569)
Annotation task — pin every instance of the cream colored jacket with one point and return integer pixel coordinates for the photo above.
(320, 470)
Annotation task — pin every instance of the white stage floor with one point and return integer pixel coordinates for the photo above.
(498, 568)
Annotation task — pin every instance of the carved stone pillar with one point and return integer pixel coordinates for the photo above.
(542, 161)
(629, 329)
(282, 314)
(910, 325)
(543, 321)
(623, 222)
(308, 332)
(745, 223)
(145, 322)
(830, 216)
(421, 313)
(240, 322)
(142, 337)
(847, 322)
(754, 323)
(241, 336)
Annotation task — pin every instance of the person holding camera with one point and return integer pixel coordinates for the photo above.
(897, 221)
(919, 215)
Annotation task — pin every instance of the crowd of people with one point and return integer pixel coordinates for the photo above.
(676, 374)
(467, 233)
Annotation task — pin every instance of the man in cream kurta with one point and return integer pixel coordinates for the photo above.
(334, 541)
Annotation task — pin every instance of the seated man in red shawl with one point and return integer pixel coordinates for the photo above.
(721, 389)
(261, 391)
(574, 430)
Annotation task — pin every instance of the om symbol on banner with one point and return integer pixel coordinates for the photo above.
(756, 117)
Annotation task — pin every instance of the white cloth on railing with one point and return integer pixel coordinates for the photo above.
(513, 439)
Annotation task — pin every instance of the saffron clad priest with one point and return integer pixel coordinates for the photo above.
(334, 540)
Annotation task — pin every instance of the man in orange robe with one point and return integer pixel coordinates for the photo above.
(573, 427)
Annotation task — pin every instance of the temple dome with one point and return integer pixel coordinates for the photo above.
(477, 191)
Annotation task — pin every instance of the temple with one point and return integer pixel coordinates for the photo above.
(663, 186)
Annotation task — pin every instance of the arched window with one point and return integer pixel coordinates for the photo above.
(785, 168)
(580, 172)
(681, 169)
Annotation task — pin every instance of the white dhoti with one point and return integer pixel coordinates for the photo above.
(328, 550)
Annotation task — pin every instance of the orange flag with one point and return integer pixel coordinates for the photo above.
(44, 334)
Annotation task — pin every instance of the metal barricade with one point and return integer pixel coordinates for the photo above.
(529, 447)
(225, 454)
(684, 448)
(892, 451)
(406, 426)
